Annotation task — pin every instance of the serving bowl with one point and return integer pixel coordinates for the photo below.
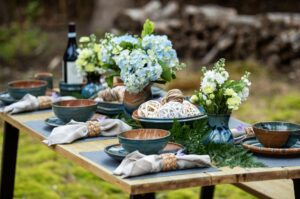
(79, 110)
(17, 89)
(276, 134)
(146, 141)
(165, 123)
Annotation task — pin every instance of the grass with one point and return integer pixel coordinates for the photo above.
(43, 174)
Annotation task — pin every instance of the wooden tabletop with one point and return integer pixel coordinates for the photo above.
(139, 186)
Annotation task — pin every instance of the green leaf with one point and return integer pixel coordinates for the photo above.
(166, 72)
(109, 80)
(148, 28)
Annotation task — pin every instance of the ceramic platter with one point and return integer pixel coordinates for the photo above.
(166, 124)
(253, 145)
(6, 98)
(54, 122)
(117, 152)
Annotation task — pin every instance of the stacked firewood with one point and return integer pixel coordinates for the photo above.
(208, 32)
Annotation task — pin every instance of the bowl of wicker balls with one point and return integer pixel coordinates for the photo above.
(163, 112)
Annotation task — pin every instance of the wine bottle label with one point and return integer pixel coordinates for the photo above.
(71, 34)
(73, 75)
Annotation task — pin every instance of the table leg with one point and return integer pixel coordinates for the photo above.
(296, 183)
(9, 158)
(143, 196)
(207, 192)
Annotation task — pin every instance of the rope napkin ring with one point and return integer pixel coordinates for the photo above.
(93, 128)
(169, 161)
(44, 102)
(249, 132)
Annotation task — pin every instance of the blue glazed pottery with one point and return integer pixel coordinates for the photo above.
(252, 144)
(17, 89)
(220, 132)
(117, 152)
(109, 108)
(93, 85)
(6, 98)
(277, 134)
(146, 141)
(79, 110)
(48, 77)
(70, 89)
(165, 124)
(54, 122)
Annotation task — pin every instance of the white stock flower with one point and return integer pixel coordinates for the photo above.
(230, 92)
(244, 93)
(234, 102)
(220, 79)
(194, 99)
(208, 89)
(84, 39)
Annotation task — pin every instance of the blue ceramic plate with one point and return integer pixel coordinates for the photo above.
(117, 152)
(253, 145)
(6, 98)
(54, 122)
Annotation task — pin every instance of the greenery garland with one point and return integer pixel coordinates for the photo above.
(193, 139)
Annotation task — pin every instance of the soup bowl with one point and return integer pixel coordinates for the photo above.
(146, 141)
(17, 89)
(79, 110)
(276, 134)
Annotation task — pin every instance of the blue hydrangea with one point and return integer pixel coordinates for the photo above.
(137, 69)
(125, 38)
(110, 46)
(161, 48)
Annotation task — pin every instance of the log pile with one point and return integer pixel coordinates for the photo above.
(208, 32)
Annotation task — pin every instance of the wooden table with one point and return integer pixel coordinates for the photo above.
(143, 188)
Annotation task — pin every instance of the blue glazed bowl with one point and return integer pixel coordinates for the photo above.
(17, 89)
(166, 124)
(70, 89)
(146, 141)
(277, 134)
(79, 110)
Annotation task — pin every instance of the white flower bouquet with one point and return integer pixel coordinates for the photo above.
(218, 94)
(88, 60)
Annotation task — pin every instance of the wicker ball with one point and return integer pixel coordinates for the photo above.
(174, 95)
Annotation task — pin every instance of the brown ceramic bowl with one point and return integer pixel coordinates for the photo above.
(146, 141)
(17, 89)
(272, 134)
(79, 110)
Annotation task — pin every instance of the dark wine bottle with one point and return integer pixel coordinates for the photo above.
(70, 73)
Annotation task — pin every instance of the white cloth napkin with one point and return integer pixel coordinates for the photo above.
(28, 103)
(75, 130)
(136, 164)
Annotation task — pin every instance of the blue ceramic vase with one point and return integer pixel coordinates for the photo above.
(220, 132)
(93, 85)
